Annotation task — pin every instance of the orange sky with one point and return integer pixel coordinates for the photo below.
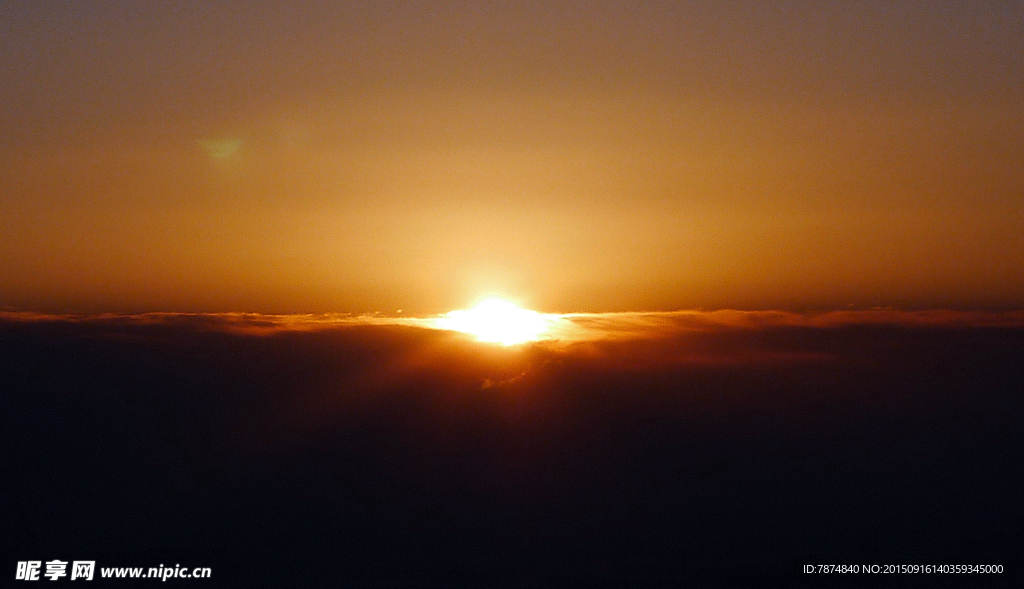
(299, 157)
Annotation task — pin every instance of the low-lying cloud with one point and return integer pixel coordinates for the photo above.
(644, 445)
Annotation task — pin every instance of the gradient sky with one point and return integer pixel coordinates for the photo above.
(574, 156)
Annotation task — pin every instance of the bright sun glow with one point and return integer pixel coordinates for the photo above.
(498, 321)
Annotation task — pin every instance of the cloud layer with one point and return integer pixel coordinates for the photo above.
(649, 449)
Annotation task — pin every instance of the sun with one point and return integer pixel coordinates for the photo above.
(498, 321)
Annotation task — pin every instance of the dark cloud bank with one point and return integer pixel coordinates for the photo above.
(697, 450)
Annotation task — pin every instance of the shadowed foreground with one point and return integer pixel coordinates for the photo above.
(390, 455)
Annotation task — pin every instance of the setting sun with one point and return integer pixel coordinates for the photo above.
(498, 321)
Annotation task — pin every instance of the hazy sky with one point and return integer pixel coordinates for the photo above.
(575, 156)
